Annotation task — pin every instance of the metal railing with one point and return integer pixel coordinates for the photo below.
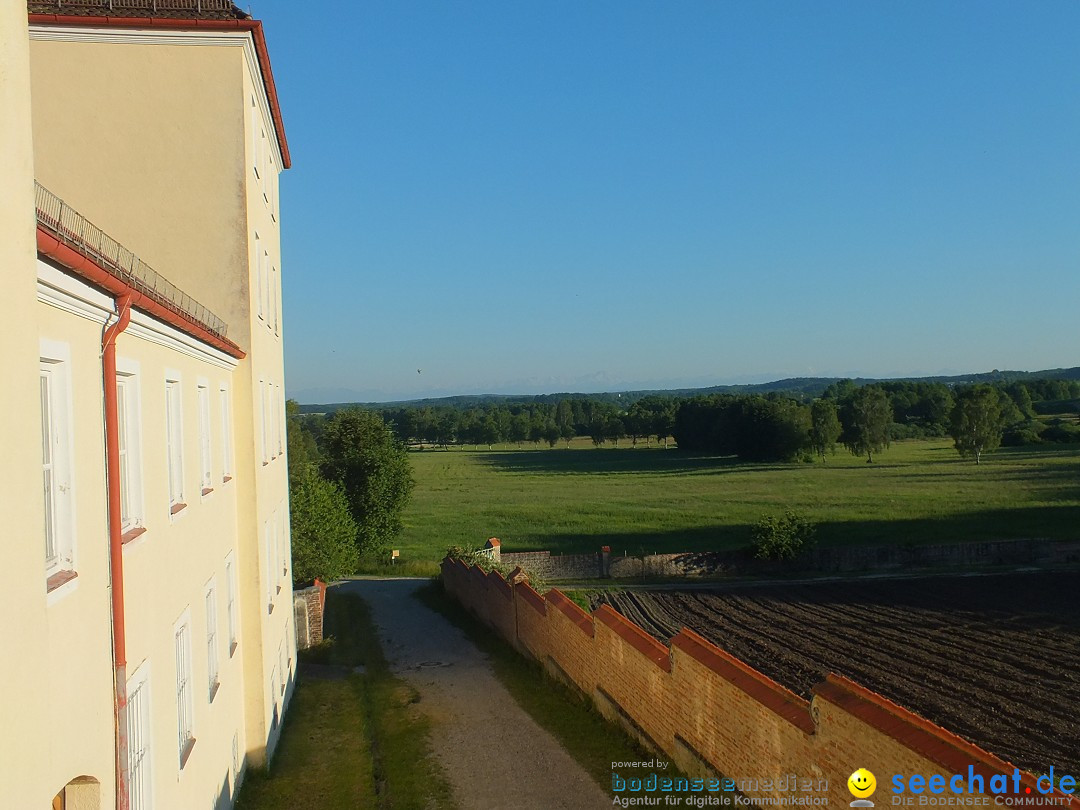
(140, 6)
(72, 228)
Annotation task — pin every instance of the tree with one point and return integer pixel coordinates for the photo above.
(977, 421)
(867, 417)
(323, 530)
(361, 454)
(824, 427)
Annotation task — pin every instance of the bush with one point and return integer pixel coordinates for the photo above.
(782, 538)
(1061, 433)
(323, 531)
(1022, 434)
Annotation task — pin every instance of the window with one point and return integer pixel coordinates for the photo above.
(254, 136)
(56, 467)
(260, 282)
(274, 298)
(283, 542)
(211, 640)
(262, 154)
(226, 436)
(230, 601)
(185, 708)
(174, 437)
(129, 436)
(280, 423)
(262, 421)
(204, 439)
(282, 665)
(274, 697)
(235, 756)
(140, 764)
(270, 563)
(265, 269)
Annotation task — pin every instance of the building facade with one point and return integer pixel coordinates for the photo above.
(148, 591)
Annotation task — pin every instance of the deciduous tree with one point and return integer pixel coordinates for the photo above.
(977, 421)
(867, 417)
(825, 427)
(361, 454)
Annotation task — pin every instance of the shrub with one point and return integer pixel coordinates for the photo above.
(782, 538)
(1022, 434)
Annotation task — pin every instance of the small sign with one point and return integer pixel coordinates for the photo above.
(395, 554)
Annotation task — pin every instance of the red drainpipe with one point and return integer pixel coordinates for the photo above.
(116, 546)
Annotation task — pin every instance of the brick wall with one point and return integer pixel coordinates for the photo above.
(711, 713)
(308, 609)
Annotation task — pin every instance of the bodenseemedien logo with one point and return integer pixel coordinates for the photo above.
(862, 785)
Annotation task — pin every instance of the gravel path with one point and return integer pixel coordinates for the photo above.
(494, 754)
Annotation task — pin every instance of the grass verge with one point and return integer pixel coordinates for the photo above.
(353, 736)
(564, 712)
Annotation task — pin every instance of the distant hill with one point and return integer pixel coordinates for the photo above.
(804, 387)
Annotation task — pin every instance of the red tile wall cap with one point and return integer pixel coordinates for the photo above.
(928, 739)
(532, 598)
(492, 542)
(254, 26)
(582, 620)
(774, 697)
(49, 245)
(634, 636)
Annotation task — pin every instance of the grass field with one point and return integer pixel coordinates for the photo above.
(578, 499)
(355, 740)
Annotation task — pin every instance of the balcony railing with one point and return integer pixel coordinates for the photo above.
(74, 230)
(224, 9)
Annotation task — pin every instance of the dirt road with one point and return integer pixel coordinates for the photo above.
(494, 754)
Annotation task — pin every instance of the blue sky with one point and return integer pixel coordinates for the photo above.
(530, 197)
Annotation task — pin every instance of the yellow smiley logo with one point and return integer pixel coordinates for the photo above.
(862, 783)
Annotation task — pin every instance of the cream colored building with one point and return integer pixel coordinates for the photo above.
(147, 587)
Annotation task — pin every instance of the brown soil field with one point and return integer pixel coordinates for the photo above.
(995, 659)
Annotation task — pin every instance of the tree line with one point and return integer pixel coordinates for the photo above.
(762, 427)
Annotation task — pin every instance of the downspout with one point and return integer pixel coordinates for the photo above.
(116, 546)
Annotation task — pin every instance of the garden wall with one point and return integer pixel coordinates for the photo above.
(544, 565)
(712, 714)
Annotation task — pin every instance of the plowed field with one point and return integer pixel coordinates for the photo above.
(995, 659)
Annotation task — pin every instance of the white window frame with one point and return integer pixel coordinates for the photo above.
(230, 602)
(185, 688)
(259, 281)
(213, 642)
(226, 433)
(266, 288)
(280, 425)
(140, 739)
(274, 298)
(283, 541)
(205, 456)
(174, 441)
(282, 667)
(263, 151)
(255, 137)
(58, 469)
(262, 420)
(129, 422)
(270, 565)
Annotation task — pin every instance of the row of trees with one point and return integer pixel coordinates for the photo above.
(349, 482)
(535, 422)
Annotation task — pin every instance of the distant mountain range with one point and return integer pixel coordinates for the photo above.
(807, 387)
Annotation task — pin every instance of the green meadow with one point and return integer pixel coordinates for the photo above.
(655, 500)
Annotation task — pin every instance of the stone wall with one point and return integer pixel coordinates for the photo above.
(712, 714)
(844, 559)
